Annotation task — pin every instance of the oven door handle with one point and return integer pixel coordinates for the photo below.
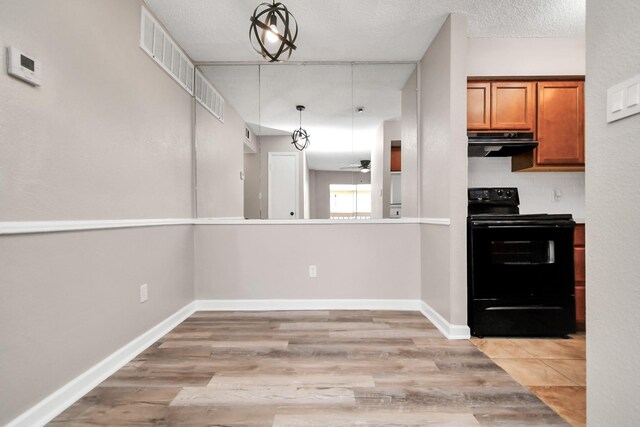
(524, 307)
(521, 225)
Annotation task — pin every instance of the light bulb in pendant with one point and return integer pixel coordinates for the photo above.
(272, 32)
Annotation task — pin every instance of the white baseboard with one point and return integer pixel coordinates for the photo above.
(452, 332)
(307, 304)
(58, 401)
(48, 408)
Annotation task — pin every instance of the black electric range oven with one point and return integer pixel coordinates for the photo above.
(520, 268)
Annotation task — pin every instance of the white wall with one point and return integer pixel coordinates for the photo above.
(252, 185)
(355, 261)
(526, 56)
(392, 132)
(388, 131)
(69, 300)
(319, 189)
(219, 148)
(67, 159)
(377, 174)
(306, 187)
(613, 230)
(529, 57)
(443, 151)
(106, 136)
(536, 189)
(410, 155)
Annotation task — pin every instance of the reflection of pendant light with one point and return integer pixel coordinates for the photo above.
(273, 31)
(300, 138)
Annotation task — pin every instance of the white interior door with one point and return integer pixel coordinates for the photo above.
(283, 186)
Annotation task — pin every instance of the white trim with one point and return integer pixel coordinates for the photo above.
(452, 332)
(25, 227)
(48, 408)
(307, 304)
(240, 221)
(435, 221)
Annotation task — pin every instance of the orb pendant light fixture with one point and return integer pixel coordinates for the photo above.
(273, 31)
(300, 138)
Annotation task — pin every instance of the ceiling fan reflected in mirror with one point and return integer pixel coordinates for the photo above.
(364, 166)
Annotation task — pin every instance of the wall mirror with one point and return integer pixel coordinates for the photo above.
(352, 114)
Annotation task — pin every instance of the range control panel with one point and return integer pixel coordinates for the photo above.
(494, 195)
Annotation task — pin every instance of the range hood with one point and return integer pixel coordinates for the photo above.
(503, 144)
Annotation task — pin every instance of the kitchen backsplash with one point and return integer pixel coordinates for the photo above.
(540, 192)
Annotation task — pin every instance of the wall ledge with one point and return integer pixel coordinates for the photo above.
(224, 221)
(30, 227)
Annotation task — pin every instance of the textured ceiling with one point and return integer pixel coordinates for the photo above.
(337, 31)
(361, 30)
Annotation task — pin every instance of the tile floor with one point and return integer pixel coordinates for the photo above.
(553, 369)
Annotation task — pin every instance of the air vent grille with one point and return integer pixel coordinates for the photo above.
(208, 97)
(160, 46)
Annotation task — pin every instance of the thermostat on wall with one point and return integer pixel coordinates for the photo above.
(22, 66)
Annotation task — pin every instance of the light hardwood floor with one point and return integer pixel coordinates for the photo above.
(320, 368)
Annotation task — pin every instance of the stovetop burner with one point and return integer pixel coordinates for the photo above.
(502, 204)
(498, 201)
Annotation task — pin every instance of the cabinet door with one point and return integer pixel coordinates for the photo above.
(560, 123)
(478, 106)
(513, 106)
(396, 159)
(579, 265)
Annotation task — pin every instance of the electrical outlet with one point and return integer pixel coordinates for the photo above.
(557, 195)
(144, 293)
(313, 271)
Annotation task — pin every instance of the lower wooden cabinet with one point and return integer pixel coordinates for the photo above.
(580, 274)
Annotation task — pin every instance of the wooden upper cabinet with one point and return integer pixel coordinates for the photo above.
(501, 106)
(478, 106)
(396, 159)
(560, 123)
(513, 106)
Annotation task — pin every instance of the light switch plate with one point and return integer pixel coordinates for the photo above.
(623, 99)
